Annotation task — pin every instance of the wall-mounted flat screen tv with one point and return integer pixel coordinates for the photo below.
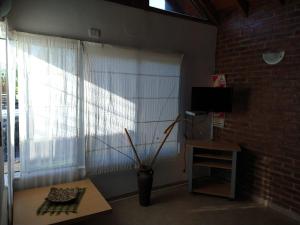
(211, 99)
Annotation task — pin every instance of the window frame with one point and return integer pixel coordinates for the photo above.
(145, 6)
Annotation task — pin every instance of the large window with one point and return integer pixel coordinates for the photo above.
(133, 89)
(75, 99)
(3, 76)
(51, 141)
(159, 4)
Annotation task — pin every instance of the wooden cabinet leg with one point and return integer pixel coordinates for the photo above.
(190, 168)
(233, 175)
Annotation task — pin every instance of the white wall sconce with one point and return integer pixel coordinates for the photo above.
(272, 58)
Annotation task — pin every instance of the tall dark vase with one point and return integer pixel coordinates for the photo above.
(145, 180)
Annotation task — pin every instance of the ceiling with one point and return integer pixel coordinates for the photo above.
(224, 5)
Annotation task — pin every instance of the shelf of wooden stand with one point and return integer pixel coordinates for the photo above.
(213, 156)
(221, 165)
(213, 187)
(213, 145)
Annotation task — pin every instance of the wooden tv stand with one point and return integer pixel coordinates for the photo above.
(219, 158)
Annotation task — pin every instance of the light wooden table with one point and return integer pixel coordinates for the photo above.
(27, 202)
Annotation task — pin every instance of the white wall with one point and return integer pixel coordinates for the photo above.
(122, 25)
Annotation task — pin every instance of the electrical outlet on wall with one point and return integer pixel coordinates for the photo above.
(94, 33)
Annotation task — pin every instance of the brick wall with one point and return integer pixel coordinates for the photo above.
(266, 116)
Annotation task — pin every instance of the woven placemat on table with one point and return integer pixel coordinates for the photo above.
(57, 208)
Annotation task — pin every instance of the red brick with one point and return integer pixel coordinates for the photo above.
(270, 127)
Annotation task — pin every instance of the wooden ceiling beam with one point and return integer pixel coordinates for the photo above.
(244, 5)
(209, 9)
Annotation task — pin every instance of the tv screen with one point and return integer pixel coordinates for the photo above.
(211, 99)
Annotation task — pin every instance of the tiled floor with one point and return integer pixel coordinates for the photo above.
(175, 206)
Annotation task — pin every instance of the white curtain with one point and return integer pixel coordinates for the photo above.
(133, 89)
(73, 107)
(50, 115)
